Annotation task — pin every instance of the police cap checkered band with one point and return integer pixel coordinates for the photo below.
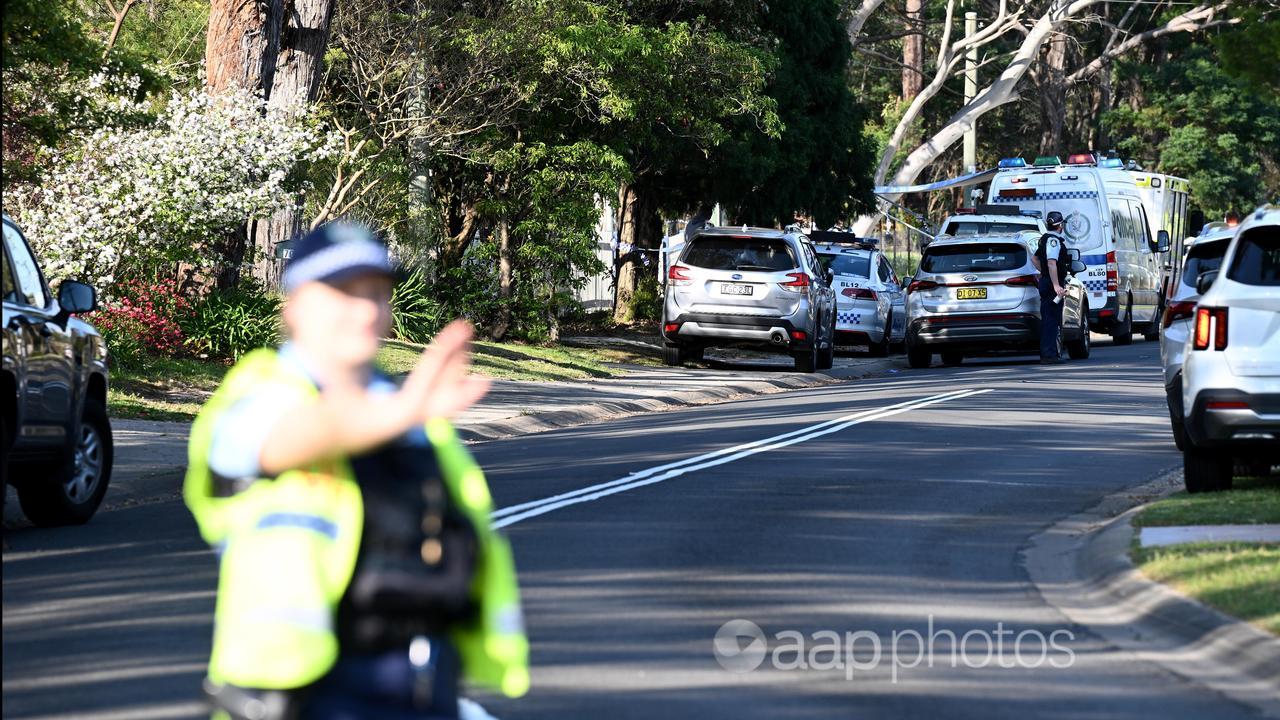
(334, 252)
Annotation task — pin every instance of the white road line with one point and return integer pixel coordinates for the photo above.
(650, 472)
(516, 513)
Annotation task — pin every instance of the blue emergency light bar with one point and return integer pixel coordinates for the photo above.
(1111, 163)
(1013, 163)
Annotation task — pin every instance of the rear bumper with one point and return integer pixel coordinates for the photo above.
(997, 331)
(1102, 319)
(1253, 427)
(707, 329)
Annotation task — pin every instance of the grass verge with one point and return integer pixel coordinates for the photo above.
(1240, 579)
(174, 389)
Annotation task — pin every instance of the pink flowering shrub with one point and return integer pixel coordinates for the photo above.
(142, 318)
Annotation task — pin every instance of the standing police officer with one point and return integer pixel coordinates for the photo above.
(358, 576)
(1053, 278)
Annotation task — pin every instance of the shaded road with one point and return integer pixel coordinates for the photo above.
(876, 524)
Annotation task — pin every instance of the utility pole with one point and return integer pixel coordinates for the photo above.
(970, 91)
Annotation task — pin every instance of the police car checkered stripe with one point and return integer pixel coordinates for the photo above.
(1095, 286)
(848, 318)
(1061, 195)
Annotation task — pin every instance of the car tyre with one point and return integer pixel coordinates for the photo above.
(1206, 470)
(807, 360)
(1152, 333)
(827, 355)
(918, 357)
(1080, 348)
(880, 349)
(1123, 334)
(673, 355)
(951, 358)
(1179, 428)
(69, 490)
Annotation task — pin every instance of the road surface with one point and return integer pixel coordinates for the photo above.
(843, 522)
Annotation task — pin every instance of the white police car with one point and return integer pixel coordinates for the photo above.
(869, 298)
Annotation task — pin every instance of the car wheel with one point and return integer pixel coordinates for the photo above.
(951, 358)
(1179, 431)
(807, 360)
(672, 355)
(1152, 333)
(827, 356)
(880, 349)
(918, 357)
(71, 489)
(1123, 334)
(1206, 470)
(1079, 349)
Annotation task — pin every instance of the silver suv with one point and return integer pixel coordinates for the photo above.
(976, 295)
(749, 287)
(1201, 254)
(1231, 364)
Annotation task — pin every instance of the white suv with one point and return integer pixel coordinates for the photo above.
(1231, 366)
(1202, 254)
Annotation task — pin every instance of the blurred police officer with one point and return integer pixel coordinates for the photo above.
(1049, 262)
(359, 577)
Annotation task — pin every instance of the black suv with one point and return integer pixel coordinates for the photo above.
(56, 440)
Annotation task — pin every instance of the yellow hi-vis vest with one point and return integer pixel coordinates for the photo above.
(289, 545)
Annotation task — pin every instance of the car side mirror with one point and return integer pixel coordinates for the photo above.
(1074, 254)
(1077, 267)
(77, 297)
(830, 276)
(1205, 281)
(1162, 241)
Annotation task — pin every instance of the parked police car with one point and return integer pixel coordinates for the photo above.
(57, 445)
(869, 298)
(992, 220)
(1231, 362)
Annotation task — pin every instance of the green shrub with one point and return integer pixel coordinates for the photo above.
(228, 324)
(416, 314)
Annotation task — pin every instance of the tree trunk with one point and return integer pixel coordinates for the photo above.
(638, 229)
(242, 44)
(295, 82)
(1053, 96)
(505, 281)
(913, 52)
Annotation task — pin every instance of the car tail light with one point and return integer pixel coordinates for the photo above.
(1021, 281)
(1113, 272)
(798, 335)
(1211, 323)
(865, 293)
(799, 282)
(671, 328)
(1179, 310)
(921, 285)
(1226, 405)
(679, 275)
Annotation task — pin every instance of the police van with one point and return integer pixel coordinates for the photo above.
(1107, 221)
(1166, 198)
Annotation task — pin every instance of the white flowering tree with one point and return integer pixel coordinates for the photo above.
(168, 191)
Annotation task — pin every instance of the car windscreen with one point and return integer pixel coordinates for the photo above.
(974, 257)
(1202, 258)
(847, 263)
(1257, 257)
(961, 228)
(739, 253)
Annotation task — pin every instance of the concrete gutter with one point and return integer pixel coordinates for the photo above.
(1081, 567)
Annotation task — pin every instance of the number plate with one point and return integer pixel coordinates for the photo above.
(971, 293)
(728, 289)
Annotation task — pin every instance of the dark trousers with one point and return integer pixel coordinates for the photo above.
(1050, 320)
(387, 686)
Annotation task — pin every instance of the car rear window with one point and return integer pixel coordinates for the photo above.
(1203, 258)
(1257, 259)
(966, 229)
(973, 257)
(847, 264)
(739, 253)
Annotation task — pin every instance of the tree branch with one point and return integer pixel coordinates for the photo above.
(1200, 18)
